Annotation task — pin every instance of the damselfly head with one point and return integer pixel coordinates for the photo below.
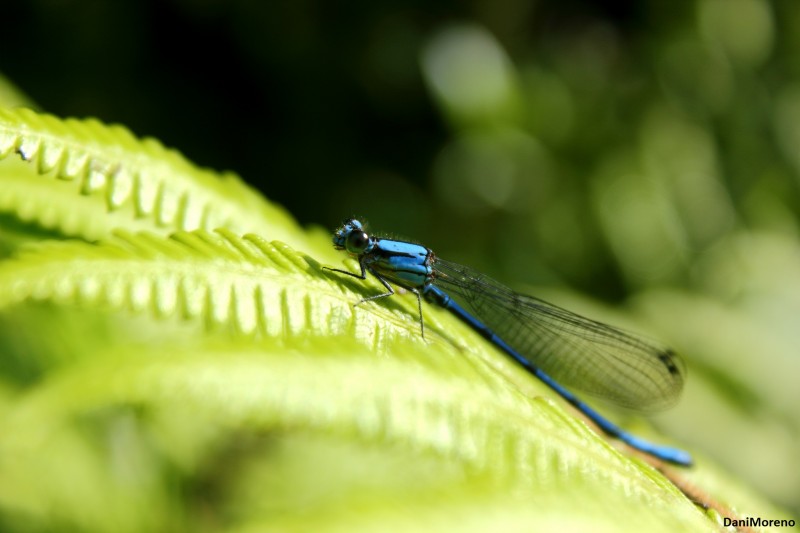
(351, 237)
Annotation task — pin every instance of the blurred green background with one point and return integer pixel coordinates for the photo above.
(642, 152)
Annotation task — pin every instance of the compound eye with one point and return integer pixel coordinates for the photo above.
(357, 242)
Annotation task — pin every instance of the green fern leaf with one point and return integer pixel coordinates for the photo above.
(94, 169)
(474, 442)
(247, 284)
(369, 373)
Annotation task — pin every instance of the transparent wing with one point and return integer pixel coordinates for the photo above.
(575, 351)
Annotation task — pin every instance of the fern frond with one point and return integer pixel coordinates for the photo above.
(243, 283)
(114, 172)
(474, 442)
(326, 368)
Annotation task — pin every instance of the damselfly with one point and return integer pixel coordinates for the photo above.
(555, 345)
